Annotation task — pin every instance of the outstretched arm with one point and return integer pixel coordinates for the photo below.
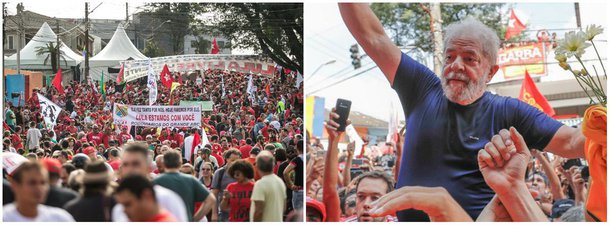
(331, 173)
(368, 31)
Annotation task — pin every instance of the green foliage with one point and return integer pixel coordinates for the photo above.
(51, 51)
(274, 29)
(152, 49)
(409, 23)
(183, 19)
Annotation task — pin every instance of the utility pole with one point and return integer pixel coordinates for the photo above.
(126, 12)
(436, 23)
(577, 12)
(20, 33)
(58, 62)
(86, 40)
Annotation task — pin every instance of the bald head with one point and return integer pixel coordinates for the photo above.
(265, 162)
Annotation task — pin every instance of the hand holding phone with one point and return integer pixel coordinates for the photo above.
(342, 108)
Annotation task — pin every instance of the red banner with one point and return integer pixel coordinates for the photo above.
(514, 61)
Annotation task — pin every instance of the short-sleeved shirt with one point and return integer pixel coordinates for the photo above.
(9, 117)
(297, 162)
(220, 181)
(240, 201)
(187, 187)
(45, 214)
(443, 138)
(271, 190)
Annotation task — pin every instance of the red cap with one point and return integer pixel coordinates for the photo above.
(216, 147)
(319, 206)
(52, 165)
(89, 150)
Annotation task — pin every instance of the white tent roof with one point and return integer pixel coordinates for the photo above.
(29, 58)
(119, 48)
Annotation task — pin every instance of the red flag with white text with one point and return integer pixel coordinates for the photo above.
(532, 96)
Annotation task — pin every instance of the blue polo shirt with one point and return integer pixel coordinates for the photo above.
(443, 138)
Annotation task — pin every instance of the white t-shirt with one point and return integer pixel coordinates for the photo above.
(45, 214)
(166, 198)
(271, 190)
(33, 138)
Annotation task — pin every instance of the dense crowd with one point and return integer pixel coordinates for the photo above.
(557, 185)
(88, 169)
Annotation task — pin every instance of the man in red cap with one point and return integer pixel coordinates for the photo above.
(216, 151)
(91, 152)
(316, 211)
(124, 136)
(57, 196)
(245, 148)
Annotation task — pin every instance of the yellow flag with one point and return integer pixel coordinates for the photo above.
(174, 86)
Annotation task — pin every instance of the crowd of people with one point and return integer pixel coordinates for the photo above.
(352, 192)
(86, 168)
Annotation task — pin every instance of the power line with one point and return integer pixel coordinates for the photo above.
(347, 78)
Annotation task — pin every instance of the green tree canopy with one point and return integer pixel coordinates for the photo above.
(274, 29)
(409, 23)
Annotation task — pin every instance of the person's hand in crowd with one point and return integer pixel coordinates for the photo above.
(502, 175)
(499, 149)
(508, 180)
(226, 195)
(578, 183)
(351, 147)
(434, 201)
(494, 212)
(331, 126)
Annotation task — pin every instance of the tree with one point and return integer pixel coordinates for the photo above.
(182, 17)
(51, 50)
(409, 23)
(203, 46)
(152, 49)
(274, 29)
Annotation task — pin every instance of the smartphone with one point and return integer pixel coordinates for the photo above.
(571, 162)
(584, 172)
(342, 108)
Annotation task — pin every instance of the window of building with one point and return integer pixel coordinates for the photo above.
(10, 41)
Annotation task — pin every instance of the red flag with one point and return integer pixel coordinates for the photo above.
(268, 90)
(215, 48)
(166, 77)
(530, 95)
(180, 78)
(196, 141)
(514, 26)
(119, 77)
(5, 126)
(57, 82)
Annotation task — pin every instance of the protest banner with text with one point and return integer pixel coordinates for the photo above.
(157, 116)
(134, 69)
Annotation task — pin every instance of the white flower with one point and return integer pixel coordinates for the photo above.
(593, 30)
(560, 57)
(573, 44)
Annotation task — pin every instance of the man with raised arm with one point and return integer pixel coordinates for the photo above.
(450, 116)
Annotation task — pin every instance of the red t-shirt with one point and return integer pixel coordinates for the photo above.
(17, 142)
(245, 151)
(95, 138)
(163, 216)
(115, 164)
(219, 158)
(240, 201)
(72, 129)
(176, 140)
(123, 137)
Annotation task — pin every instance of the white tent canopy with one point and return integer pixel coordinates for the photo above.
(119, 48)
(29, 58)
